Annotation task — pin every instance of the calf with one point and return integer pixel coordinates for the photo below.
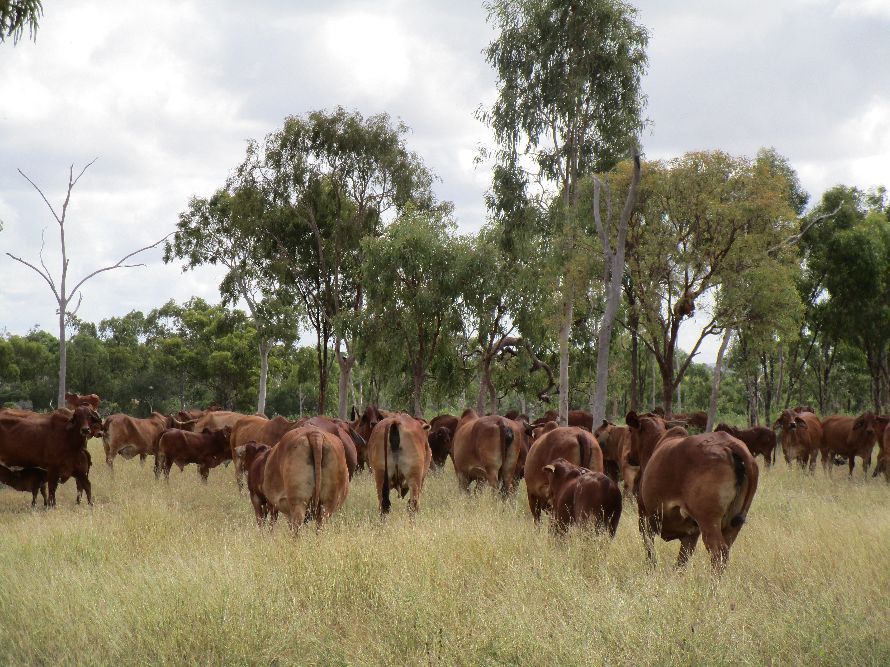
(849, 437)
(25, 479)
(573, 444)
(691, 486)
(206, 449)
(801, 437)
(486, 449)
(580, 496)
(251, 456)
(758, 439)
(305, 475)
(400, 457)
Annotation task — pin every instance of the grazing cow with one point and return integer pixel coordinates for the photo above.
(126, 436)
(252, 458)
(849, 437)
(609, 436)
(758, 439)
(441, 436)
(697, 420)
(804, 408)
(53, 441)
(579, 418)
(28, 479)
(691, 486)
(207, 449)
(580, 496)
(629, 466)
(217, 419)
(73, 400)
(801, 437)
(572, 443)
(486, 449)
(305, 475)
(400, 457)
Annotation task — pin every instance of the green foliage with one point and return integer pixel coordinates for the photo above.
(15, 15)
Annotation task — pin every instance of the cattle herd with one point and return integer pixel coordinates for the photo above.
(685, 485)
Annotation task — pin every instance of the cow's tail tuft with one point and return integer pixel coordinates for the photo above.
(390, 440)
(506, 440)
(741, 476)
(584, 458)
(316, 442)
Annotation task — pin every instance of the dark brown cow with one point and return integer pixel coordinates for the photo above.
(486, 449)
(206, 449)
(73, 400)
(126, 436)
(801, 437)
(628, 466)
(883, 464)
(609, 438)
(28, 479)
(579, 418)
(697, 420)
(305, 475)
(572, 443)
(849, 437)
(53, 441)
(691, 486)
(81, 472)
(251, 456)
(580, 496)
(883, 440)
(441, 437)
(759, 440)
(365, 423)
(400, 457)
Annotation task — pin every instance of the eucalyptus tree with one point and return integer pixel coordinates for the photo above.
(58, 284)
(222, 230)
(569, 104)
(334, 178)
(15, 15)
(414, 274)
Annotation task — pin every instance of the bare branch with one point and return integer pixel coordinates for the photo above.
(120, 263)
(792, 240)
(49, 276)
(40, 273)
(40, 192)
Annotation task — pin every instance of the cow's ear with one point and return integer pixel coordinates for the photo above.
(426, 427)
(605, 423)
(632, 420)
(800, 422)
(529, 429)
(240, 449)
(549, 469)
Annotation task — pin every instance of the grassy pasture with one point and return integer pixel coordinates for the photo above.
(179, 574)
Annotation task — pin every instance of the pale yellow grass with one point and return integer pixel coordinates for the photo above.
(179, 574)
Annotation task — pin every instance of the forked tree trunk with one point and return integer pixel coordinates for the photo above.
(346, 362)
(715, 384)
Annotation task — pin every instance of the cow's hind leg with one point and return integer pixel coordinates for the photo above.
(687, 548)
(648, 534)
(716, 545)
(53, 482)
(851, 463)
(536, 505)
(296, 517)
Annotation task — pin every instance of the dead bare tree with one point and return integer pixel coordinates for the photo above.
(60, 290)
(613, 275)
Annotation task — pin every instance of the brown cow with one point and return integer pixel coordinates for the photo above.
(207, 449)
(850, 437)
(486, 449)
(883, 464)
(73, 400)
(400, 457)
(53, 441)
(691, 486)
(27, 479)
(801, 437)
(252, 458)
(579, 418)
(342, 430)
(572, 443)
(758, 439)
(609, 438)
(580, 496)
(217, 419)
(697, 420)
(629, 466)
(128, 436)
(364, 424)
(305, 475)
(80, 473)
(441, 436)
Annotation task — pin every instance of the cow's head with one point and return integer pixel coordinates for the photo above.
(558, 473)
(83, 419)
(247, 453)
(440, 444)
(602, 432)
(644, 433)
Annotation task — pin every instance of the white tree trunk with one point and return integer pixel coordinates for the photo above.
(565, 331)
(346, 362)
(63, 357)
(265, 347)
(715, 385)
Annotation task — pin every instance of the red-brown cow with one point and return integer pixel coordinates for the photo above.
(572, 443)
(441, 437)
(400, 457)
(486, 449)
(609, 436)
(73, 400)
(580, 496)
(759, 440)
(691, 486)
(801, 437)
(579, 418)
(850, 437)
(252, 458)
(53, 441)
(126, 436)
(305, 474)
(206, 449)
(29, 479)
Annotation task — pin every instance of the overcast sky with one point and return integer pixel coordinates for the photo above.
(166, 93)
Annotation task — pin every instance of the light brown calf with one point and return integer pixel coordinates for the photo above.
(486, 449)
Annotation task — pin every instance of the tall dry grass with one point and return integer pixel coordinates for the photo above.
(179, 574)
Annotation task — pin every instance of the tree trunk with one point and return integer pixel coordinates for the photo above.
(634, 362)
(63, 357)
(565, 331)
(715, 385)
(418, 390)
(346, 362)
(484, 382)
(265, 347)
(604, 341)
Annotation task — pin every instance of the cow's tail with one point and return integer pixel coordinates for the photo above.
(507, 436)
(745, 483)
(106, 436)
(585, 451)
(390, 441)
(316, 442)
